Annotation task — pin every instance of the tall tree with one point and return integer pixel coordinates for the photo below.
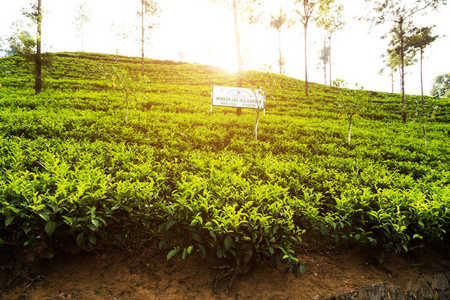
(324, 55)
(121, 34)
(394, 52)
(151, 8)
(307, 9)
(36, 16)
(277, 22)
(331, 19)
(441, 85)
(242, 9)
(20, 42)
(392, 62)
(83, 15)
(399, 12)
(2, 47)
(420, 39)
(38, 79)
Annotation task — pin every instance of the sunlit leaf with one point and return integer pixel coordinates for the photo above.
(172, 253)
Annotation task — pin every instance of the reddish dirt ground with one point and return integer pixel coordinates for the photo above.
(120, 274)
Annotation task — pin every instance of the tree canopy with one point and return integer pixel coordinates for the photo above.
(400, 12)
(83, 16)
(307, 11)
(331, 20)
(279, 21)
(441, 84)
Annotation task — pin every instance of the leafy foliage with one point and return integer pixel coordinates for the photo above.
(441, 85)
(353, 104)
(73, 171)
(121, 80)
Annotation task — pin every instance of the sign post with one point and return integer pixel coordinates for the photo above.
(239, 97)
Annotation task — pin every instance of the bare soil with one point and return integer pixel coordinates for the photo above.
(112, 273)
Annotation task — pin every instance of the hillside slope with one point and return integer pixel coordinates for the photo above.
(76, 173)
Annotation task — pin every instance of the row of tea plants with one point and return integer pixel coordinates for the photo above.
(74, 172)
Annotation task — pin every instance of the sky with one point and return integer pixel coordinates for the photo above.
(202, 31)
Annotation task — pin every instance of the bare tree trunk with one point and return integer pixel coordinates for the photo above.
(256, 122)
(126, 112)
(306, 62)
(238, 51)
(38, 58)
(258, 105)
(425, 136)
(350, 128)
(142, 40)
(329, 56)
(279, 51)
(402, 57)
(324, 58)
(392, 81)
(421, 75)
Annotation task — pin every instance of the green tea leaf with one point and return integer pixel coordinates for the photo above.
(172, 253)
(213, 235)
(26, 229)
(50, 227)
(67, 220)
(161, 227)
(8, 221)
(92, 239)
(372, 241)
(219, 253)
(324, 229)
(45, 215)
(302, 269)
(417, 236)
(80, 239)
(228, 242)
(170, 210)
(170, 224)
(95, 223)
(202, 250)
(162, 243)
(196, 237)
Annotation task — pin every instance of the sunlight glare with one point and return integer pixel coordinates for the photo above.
(204, 35)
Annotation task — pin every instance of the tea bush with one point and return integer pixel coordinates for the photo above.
(73, 170)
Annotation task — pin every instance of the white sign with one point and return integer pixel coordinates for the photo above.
(237, 97)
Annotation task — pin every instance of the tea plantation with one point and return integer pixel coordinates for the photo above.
(77, 168)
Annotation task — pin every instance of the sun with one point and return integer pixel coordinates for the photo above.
(199, 31)
(214, 40)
